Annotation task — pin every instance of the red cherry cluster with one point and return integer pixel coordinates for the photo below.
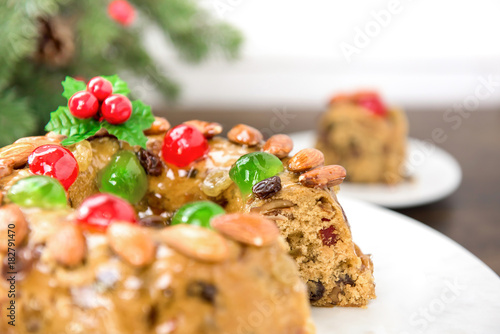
(99, 101)
(122, 12)
(184, 144)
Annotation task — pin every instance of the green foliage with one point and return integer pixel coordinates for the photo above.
(102, 46)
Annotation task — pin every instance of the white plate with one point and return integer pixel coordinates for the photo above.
(435, 174)
(426, 283)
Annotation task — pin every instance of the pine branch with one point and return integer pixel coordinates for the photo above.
(16, 120)
(191, 29)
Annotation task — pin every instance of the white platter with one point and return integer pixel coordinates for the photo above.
(435, 175)
(426, 283)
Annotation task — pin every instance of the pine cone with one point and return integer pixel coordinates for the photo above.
(56, 45)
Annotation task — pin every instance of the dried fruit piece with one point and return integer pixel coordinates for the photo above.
(321, 177)
(68, 245)
(196, 242)
(278, 145)
(159, 126)
(251, 229)
(54, 161)
(305, 160)
(124, 177)
(12, 223)
(209, 129)
(38, 191)
(150, 162)
(99, 211)
(328, 236)
(197, 213)
(216, 182)
(316, 290)
(253, 168)
(131, 243)
(203, 290)
(267, 188)
(183, 145)
(82, 151)
(245, 135)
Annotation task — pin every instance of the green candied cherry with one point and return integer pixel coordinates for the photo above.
(254, 167)
(197, 213)
(124, 177)
(38, 191)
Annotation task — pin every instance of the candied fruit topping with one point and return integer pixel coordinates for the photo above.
(183, 145)
(125, 177)
(38, 191)
(328, 236)
(253, 168)
(197, 213)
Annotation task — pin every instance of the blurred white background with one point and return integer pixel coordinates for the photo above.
(418, 53)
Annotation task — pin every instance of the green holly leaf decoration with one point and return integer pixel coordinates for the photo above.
(119, 86)
(64, 123)
(71, 86)
(132, 131)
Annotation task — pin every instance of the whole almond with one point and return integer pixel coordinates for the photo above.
(13, 223)
(196, 242)
(209, 129)
(159, 126)
(251, 229)
(16, 155)
(68, 245)
(305, 160)
(38, 140)
(279, 145)
(322, 177)
(245, 135)
(131, 243)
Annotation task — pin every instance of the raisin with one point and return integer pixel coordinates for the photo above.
(150, 162)
(205, 291)
(192, 173)
(153, 221)
(328, 236)
(268, 187)
(346, 279)
(316, 290)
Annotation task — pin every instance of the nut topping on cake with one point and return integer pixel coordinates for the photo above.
(322, 177)
(209, 129)
(196, 242)
(245, 135)
(279, 145)
(68, 245)
(12, 222)
(131, 243)
(251, 229)
(305, 160)
(159, 126)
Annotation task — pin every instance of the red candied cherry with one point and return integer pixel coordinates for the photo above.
(122, 12)
(116, 109)
(100, 88)
(54, 161)
(183, 144)
(372, 102)
(328, 236)
(98, 211)
(83, 105)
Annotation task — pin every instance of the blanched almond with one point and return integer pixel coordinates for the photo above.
(322, 177)
(306, 159)
(245, 135)
(279, 145)
(131, 243)
(13, 223)
(68, 245)
(209, 129)
(159, 126)
(196, 242)
(251, 229)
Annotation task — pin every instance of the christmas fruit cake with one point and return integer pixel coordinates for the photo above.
(366, 137)
(178, 177)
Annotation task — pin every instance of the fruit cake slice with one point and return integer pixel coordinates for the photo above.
(360, 133)
(189, 163)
